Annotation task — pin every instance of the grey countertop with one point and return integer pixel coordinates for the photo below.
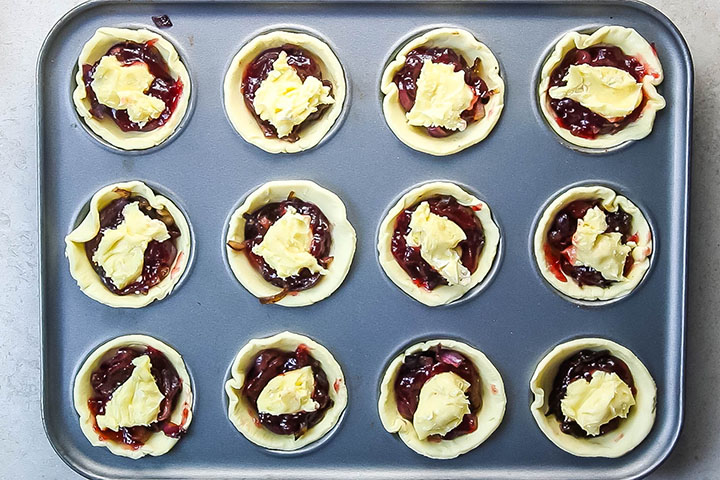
(26, 452)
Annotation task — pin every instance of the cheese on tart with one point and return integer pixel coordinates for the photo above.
(438, 238)
(121, 250)
(122, 87)
(592, 404)
(608, 91)
(283, 99)
(593, 248)
(286, 393)
(136, 401)
(285, 245)
(443, 404)
(442, 95)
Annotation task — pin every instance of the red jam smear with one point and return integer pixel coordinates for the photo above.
(159, 256)
(116, 370)
(418, 368)
(259, 222)
(269, 364)
(257, 71)
(581, 121)
(164, 86)
(582, 365)
(559, 238)
(409, 258)
(406, 81)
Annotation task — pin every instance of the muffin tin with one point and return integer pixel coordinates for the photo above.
(208, 168)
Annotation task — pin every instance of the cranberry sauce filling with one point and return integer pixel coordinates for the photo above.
(418, 368)
(164, 86)
(559, 239)
(257, 71)
(409, 257)
(582, 365)
(269, 364)
(115, 371)
(159, 256)
(406, 81)
(581, 121)
(259, 222)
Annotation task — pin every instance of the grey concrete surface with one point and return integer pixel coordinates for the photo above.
(26, 453)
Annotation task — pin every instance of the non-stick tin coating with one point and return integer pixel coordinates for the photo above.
(207, 168)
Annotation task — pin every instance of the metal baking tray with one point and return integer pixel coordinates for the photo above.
(207, 168)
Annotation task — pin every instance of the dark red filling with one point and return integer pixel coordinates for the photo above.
(582, 365)
(164, 86)
(269, 364)
(259, 222)
(581, 121)
(257, 71)
(116, 370)
(559, 239)
(159, 256)
(406, 81)
(418, 368)
(409, 257)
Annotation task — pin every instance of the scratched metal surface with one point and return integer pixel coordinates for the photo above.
(208, 167)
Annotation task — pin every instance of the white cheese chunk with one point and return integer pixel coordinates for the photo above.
(285, 101)
(604, 252)
(442, 405)
(438, 239)
(593, 404)
(121, 251)
(608, 91)
(286, 245)
(441, 96)
(123, 87)
(135, 402)
(289, 392)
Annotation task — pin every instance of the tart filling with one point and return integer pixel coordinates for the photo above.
(437, 243)
(131, 248)
(134, 397)
(132, 88)
(286, 391)
(599, 90)
(443, 92)
(284, 91)
(593, 244)
(444, 398)
(290, 243)
(593, 398)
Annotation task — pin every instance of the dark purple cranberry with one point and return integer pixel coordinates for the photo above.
(164, 86)
(418, 368)
(409, 257)
(162, 21)
(257, 71)
(159, 256)
(579, 120)
(272, 362)
(406, 81)
(582, 365)
(116, 370)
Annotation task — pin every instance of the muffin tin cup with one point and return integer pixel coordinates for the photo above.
(294, 28)
(188, 112)
(620, 190)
